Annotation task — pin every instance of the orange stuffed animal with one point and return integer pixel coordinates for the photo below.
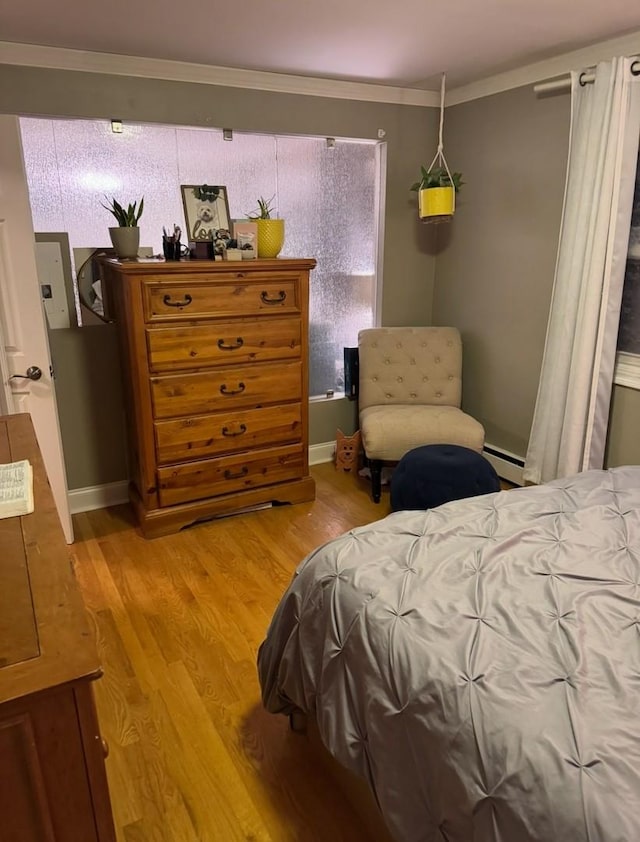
(347, 451)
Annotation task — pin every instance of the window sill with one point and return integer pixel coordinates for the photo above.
(336, 396)
(627, 370)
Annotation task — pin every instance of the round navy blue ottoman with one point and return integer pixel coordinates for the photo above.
(428, 476)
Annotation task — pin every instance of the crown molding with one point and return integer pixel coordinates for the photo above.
(547, 69)
(59, 58)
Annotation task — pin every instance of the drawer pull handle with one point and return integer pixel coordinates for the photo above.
(238, 391)
(264, 295)
(241, 473)
(228, 433)
(223, 347)
(184, 303)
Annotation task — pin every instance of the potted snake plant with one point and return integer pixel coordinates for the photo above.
(436, 191)
(125, 236)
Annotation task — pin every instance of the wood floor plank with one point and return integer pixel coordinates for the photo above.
(101, 566)
(220, 802)
(193, 755)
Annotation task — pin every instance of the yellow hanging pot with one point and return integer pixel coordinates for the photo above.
(437, 186)
(436, 201)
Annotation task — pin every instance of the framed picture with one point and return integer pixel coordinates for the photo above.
(246, 233)
(206, 210)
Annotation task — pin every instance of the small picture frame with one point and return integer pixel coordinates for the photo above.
(206, 210)
(246, 234)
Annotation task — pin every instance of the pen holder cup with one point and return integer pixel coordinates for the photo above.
(172, 249)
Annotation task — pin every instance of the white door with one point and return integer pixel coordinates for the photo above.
(24, 344)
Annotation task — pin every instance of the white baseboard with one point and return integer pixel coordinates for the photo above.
(114, 493)
(509, 468)
(324, 452)
(98, 496)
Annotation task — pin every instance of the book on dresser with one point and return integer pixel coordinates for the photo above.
(16, 488)
(215, 363)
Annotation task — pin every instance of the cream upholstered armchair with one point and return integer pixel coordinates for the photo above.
(410, 388)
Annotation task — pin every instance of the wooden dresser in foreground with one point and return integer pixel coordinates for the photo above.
(53, 785)
(215, 362)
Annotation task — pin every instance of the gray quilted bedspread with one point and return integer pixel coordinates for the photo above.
(479, 663)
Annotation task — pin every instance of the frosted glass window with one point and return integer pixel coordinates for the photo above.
(629, 333)
(41, 164)
(328, 196)
(246, 165)
(90, 163)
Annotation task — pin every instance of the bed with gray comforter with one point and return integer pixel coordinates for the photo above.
(479, 664)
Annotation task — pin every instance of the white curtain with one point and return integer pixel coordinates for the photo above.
(570, 421)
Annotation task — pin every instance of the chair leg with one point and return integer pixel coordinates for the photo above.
(375, 466)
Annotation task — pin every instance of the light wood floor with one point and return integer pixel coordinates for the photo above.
(193, 756)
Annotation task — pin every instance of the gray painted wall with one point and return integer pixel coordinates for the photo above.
(327, 416)
(623, 446)
(86, 363)
(409, 263)
(495, 264)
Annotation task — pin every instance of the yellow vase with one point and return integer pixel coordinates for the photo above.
(437, 201)
(270, 237)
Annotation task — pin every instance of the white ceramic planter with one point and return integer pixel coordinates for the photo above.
(126, 241)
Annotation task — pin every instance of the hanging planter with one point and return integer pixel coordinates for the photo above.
(438, 186)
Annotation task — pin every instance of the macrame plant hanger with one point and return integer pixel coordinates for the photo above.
(439, 158)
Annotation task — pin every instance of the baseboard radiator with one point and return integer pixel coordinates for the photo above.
(509, 466)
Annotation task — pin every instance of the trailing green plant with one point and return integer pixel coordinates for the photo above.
(264, 210)
(127, 218)
(438, 177)
(206, 193)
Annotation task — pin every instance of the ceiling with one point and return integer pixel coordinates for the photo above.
(407, 43)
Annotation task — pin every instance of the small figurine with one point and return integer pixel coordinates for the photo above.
(347, 451)
(221, 239)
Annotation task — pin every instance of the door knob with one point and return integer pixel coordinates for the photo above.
(33, 373)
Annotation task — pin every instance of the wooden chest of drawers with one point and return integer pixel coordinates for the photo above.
(53, 783)
(216, 374)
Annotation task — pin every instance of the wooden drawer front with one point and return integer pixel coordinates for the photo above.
(225, 389)
(45, 794)
(227, 343)
(184, 300)
(229, 432)
(229, 474)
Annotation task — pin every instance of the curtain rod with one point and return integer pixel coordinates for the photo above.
(563, 84)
